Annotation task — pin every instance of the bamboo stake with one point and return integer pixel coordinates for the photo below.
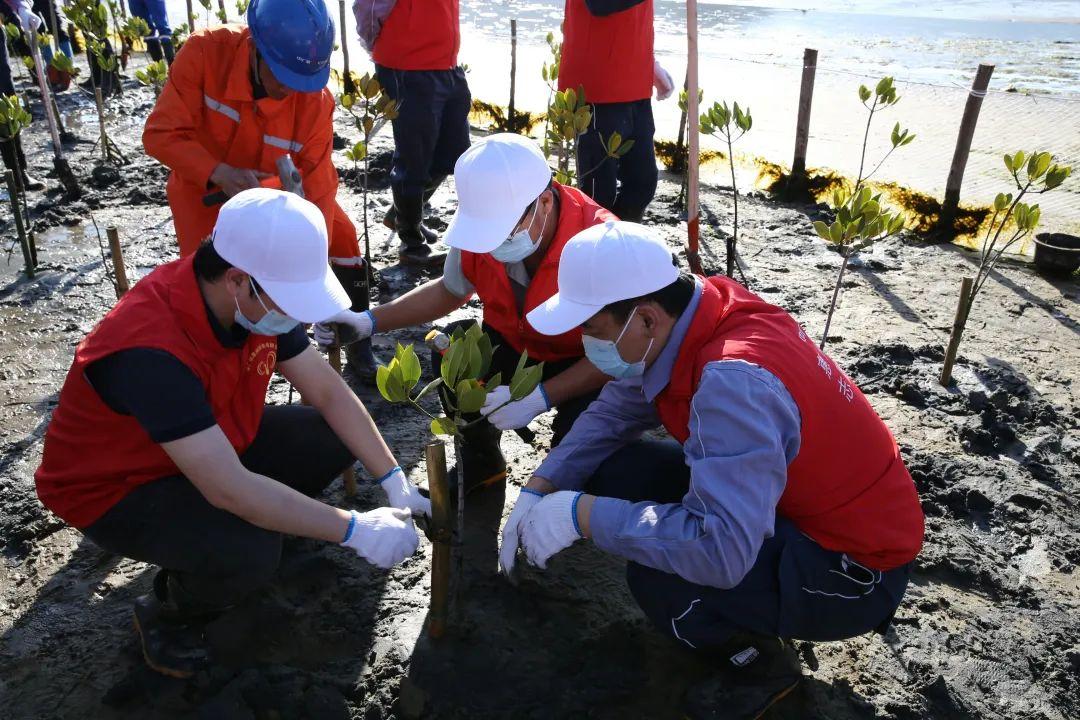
(963, 307)
(347, 83)
(802, 125)
(692, 214)
(439, 489)
(513, 76)
(20, 228)
(190, 18)
(963, 147)
(119, 270)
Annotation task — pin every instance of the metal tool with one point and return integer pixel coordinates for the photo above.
(291, 181)
(63, 170)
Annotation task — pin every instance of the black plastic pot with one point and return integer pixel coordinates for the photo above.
(1057, 253)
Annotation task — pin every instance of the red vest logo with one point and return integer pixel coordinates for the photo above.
(263, 358)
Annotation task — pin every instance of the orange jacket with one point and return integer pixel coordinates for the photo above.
(207, 115)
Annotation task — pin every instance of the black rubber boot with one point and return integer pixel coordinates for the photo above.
(15, 160)
(414, 249)
(430, 236)
(756, 673)
(153, 46)
(171, 638)
(167, 50)
(358, 354)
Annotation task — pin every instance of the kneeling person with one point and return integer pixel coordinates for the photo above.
(782, 509)
(161, 449)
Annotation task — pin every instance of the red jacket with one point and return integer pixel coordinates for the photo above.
(610, 56)
(94, 456)
(577, 211)
(847, 488)
(419, 35)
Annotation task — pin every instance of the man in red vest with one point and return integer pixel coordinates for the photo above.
(608, 51)
(161, 448)
(506, 240)
(414, 44)
(782, 509)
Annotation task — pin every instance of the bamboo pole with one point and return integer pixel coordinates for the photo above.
(347, 83)
(963, 307)
(348, 476)
(119, 269)
(692, 214)
(963, 147)
(20, 228)
(513, 76)
(802, 125)
(190, 18)
(439, 489)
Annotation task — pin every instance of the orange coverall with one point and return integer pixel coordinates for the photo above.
(207, 115)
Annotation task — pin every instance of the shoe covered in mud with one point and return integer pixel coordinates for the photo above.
(756, 673)
(421, 255)
(169, 645)
(390, 220)
(32, 183)
(362, 361)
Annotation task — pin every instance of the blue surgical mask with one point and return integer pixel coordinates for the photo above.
(520, 245)
(604, 354)
(272, 323)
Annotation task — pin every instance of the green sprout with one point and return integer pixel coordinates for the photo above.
(718, 121)
(154, 76)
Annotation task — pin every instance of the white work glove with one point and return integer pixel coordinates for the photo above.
(515, 414)
(403, 494)
(662, 82)
(384, 536)
(550, 527)
(353, 327)
(28, 19)
(511, 534)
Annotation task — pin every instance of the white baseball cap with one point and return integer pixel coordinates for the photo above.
(600, 265)
(496, 180)
(279, 239)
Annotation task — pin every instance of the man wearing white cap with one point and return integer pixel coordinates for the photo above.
(781, 510)
(161, 450)
(506, 240)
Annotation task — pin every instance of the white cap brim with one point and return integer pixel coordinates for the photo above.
(560, 314)
(479, 235)
(309, 302)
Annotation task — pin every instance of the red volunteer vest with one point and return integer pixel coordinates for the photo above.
(93, 456)
(611, 56)
(848, 488)
(419, 35)
(577, 211)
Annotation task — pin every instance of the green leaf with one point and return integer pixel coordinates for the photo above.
(822, 229)
(483, 344)
(494, 381)
(1000, 202)
(470, 396)
(382, 374)
(836, 232)
(1042, 164)
(1018, 161)
(1009, 163)
(883, 86)
(525, 381)
(428, 388)
(452, 361)
(1057, 175)
(864, 93)
(626, 147)
(443, 426)
(410, 366)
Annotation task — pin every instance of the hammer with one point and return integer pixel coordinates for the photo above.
(440, 343)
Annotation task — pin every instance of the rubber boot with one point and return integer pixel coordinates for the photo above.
(171, 638)
(430, 236)
(167, 50)
(15, 160)
(756, 673)
(409, 210)
(153, 46)
(358, 354)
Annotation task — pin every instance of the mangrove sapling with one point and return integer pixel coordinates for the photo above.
(154, 76)
(717, 121)
(884, 95)
(132, 32)
(106, 60)
(1011, 223)
(91, 17)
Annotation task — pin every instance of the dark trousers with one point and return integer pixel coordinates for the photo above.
(214, 557)
(795, 589)
(505, 359)
(432, 127)
(625, 186)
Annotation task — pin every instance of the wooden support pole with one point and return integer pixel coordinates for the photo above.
(963, 147)
(20, 227)
(693, 255)
(348, 477)
(119, 270)
(439, 489)
(963, 307)
(802, 125)
(511, 124)
(190, 18)
(347, 83)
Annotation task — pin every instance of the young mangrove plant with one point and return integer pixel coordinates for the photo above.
(154, 76)
(729, 125)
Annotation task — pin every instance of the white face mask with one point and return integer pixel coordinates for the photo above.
(272, 323)
(520, 245)
(604, 354)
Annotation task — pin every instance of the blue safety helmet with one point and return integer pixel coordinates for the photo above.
(295, 38)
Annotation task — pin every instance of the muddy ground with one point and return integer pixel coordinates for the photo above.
(990, 627)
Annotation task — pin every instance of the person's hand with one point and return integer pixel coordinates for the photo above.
(384, 536)
(550, 527)
(662, 82)
(507, 415)
(511, 534)
(351, 327)
(403, 494)
(236, 180)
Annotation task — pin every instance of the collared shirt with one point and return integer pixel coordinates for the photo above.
(744, 432)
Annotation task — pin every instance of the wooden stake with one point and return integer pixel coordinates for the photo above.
(348, 477)
(439, 489)
(119, 270)
(802, 125)
(20, 228)
(692, 214)
(347, 83)
(963, 307)
(190, 18)
(101, 123)
(963, 147)
(513, 76)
